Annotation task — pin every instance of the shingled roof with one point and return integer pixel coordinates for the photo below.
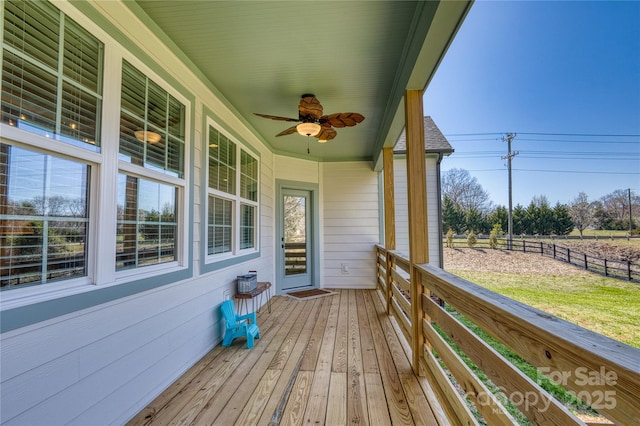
(434, 140)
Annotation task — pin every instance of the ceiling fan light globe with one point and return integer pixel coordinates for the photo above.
(308, 129)
(147, 136)
(322, 141)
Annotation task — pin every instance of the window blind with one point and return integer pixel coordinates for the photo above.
(42, 91)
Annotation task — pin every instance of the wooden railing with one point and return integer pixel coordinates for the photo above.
(295, 258)
(602, 372)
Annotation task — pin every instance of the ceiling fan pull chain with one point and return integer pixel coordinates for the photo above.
(308, 150)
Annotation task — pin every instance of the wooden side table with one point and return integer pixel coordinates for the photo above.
(258, 291)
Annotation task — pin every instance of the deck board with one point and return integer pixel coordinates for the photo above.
(332, 360)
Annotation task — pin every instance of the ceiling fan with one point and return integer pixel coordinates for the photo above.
(312, 122)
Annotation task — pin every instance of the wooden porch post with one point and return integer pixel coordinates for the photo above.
(418, 234)
(389, 214)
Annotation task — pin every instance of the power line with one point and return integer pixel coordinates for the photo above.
(578, 171)
(549, 134)
(581, 135)
(626, 154)
(556, 171)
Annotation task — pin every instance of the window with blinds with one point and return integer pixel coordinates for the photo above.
(152, 124)
(44, 217)
(232, 196)
(222, 162)
(51, 74)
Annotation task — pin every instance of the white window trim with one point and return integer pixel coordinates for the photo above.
(236, 200)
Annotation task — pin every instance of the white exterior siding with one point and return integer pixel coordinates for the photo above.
(350, 228)
(103, 364)
(402, 212)
(295, 169)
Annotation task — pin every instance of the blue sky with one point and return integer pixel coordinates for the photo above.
(565, 77)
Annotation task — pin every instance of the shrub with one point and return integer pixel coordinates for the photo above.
(493, 236)
(471, 239)
(450, 238)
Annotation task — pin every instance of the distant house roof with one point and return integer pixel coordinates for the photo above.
(434, 140)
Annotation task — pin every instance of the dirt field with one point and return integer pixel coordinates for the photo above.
(488, 260)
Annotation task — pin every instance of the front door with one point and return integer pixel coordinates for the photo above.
(295, 265)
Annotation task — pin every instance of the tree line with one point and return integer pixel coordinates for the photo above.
(466, 207)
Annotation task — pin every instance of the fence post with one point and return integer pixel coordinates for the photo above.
(629, 269)
(554, 250)
(585, 261)
(568, 255)
(541, 249)
(606, 273)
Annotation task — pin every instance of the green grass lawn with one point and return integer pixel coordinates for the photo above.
(605, 305)
(600, 233)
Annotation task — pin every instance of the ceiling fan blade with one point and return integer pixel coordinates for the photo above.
(288, 131)
(343, 119)
(275, 117)
(326, 134)
(310, 107)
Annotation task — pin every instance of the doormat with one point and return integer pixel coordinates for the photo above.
(310, 294)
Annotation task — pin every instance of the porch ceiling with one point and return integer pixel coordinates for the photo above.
(357, 56)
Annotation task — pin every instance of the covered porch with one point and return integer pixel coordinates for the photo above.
(332, 360)
(374, 357)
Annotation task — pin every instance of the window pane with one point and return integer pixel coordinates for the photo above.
(176, 118)
(222, 162)
(80, 115)
(32, 28)
(34, 77)
(134, 90)
(131, 149)
(44, 217)
(82, 57)
(149, 114)
(146, 224)
(28, 96)
(220, 225)
(247, 226)
(157, 106)
(248, 177)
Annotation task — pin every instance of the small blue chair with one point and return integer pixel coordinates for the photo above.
(238, 325)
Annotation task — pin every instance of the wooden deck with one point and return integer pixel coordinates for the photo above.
(333, 360)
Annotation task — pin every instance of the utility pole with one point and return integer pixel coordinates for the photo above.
(630, 224)
(510, 154)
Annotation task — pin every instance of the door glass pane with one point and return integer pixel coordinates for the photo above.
(295, 235)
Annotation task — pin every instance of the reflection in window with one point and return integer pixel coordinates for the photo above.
(219, 224)
(247, 226)
(248, 177)
(152, 124)
(147, 223)
(222, 162)
(50, 86)
(44, 217)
